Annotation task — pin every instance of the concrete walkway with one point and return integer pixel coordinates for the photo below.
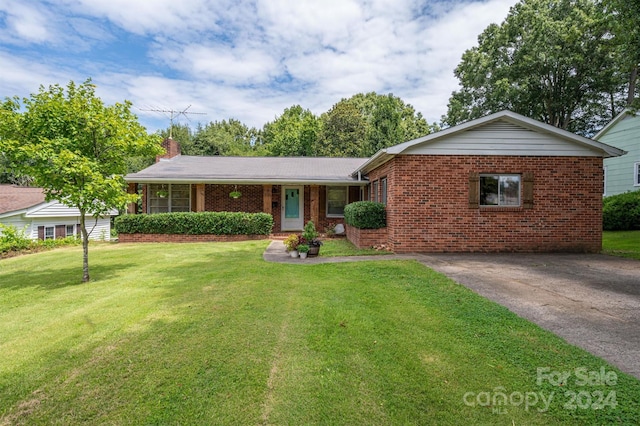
(590, 300)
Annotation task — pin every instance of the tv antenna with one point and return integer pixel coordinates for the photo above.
(174, 114)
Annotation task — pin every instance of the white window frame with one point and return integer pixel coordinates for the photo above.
(346, 199)
(66, 230)
(383, 190)
(500, 176)
(53, 232)
(169, 197)
(374, 191)
(636, 173)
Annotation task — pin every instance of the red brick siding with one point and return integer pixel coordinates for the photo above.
(216, 198)
(176, 238)
(428, 205)
(366, 238)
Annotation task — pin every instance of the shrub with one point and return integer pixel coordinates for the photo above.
(13, 239)
(621, 212)
(292, 242)
(365, 215)
(216, 223)
(310, 232)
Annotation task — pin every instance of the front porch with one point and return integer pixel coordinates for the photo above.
(291, 205)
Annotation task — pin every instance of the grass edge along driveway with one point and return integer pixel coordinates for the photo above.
(212, 334)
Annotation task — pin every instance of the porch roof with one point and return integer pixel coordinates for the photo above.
(251, 170)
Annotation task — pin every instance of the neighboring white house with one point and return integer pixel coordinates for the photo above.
(622, 174)
(26, 209)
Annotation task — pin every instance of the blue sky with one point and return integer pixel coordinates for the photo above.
(242, 59)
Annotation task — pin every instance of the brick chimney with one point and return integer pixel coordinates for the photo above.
(171, 147)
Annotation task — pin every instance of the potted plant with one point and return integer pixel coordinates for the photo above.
(291, 244)
(235, 194)
(303, 249)
(310, 235)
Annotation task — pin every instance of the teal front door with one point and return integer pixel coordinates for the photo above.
(292, 208)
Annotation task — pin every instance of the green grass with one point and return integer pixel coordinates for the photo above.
(332, 247)
(211, 334)
(621, 243)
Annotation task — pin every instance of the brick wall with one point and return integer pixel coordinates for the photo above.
(428, 205)
(366, 238)
(216, 198)
(176, 238)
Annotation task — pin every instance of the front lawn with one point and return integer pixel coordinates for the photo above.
(621, 243)
(212, 334)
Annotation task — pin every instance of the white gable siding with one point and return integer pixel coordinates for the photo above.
(502, 138)
(53, 209)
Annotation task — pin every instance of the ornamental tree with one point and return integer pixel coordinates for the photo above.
(75, 148)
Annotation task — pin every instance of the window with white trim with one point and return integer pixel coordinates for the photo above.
(167, 198)
(70, 230)
(49, 233)
(500, 190)
(337, 198)
(383, 185)
(374, 192)
(636, 174)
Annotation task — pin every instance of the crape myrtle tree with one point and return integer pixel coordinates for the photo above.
(551, 60)
(75, 148)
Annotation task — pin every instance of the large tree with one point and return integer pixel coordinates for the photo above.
(365, 123)
(294, 133)
(551, 60)
(76, 148)
(344, 130)
(624, 21)
(226, 137)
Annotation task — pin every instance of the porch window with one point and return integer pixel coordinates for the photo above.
(500, 190)
(337, 198)
(383, 196)
(69, 230)
(167, 198)
(636, 174)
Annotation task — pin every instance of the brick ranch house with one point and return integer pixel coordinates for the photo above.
(503, 182)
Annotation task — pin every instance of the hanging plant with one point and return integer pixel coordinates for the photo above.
(162, 194)
(235, 193)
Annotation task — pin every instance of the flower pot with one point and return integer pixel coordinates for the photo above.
(303, 255)
(314, 250)
(294, 253)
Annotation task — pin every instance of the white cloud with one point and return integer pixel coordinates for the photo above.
(24, 22)
(249, 59)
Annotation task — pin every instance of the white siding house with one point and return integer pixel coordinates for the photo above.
(27, 210)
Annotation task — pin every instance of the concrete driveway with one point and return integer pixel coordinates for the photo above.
(592, 301)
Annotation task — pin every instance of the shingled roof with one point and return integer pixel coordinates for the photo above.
(14, 197)
(251, 170)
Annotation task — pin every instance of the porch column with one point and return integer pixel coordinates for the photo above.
(200, 197)
(132, 188)
(266, 198)
(314, 204)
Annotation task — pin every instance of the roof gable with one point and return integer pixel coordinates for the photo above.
(502, 133)
(622, 132)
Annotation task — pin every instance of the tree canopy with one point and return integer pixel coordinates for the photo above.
(551, 60)
(75, 148)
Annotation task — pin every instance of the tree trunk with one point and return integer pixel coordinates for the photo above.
(632, 85)
(85, 248)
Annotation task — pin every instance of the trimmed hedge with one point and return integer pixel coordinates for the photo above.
(365, 215)
(216, 223)
(621, 212)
